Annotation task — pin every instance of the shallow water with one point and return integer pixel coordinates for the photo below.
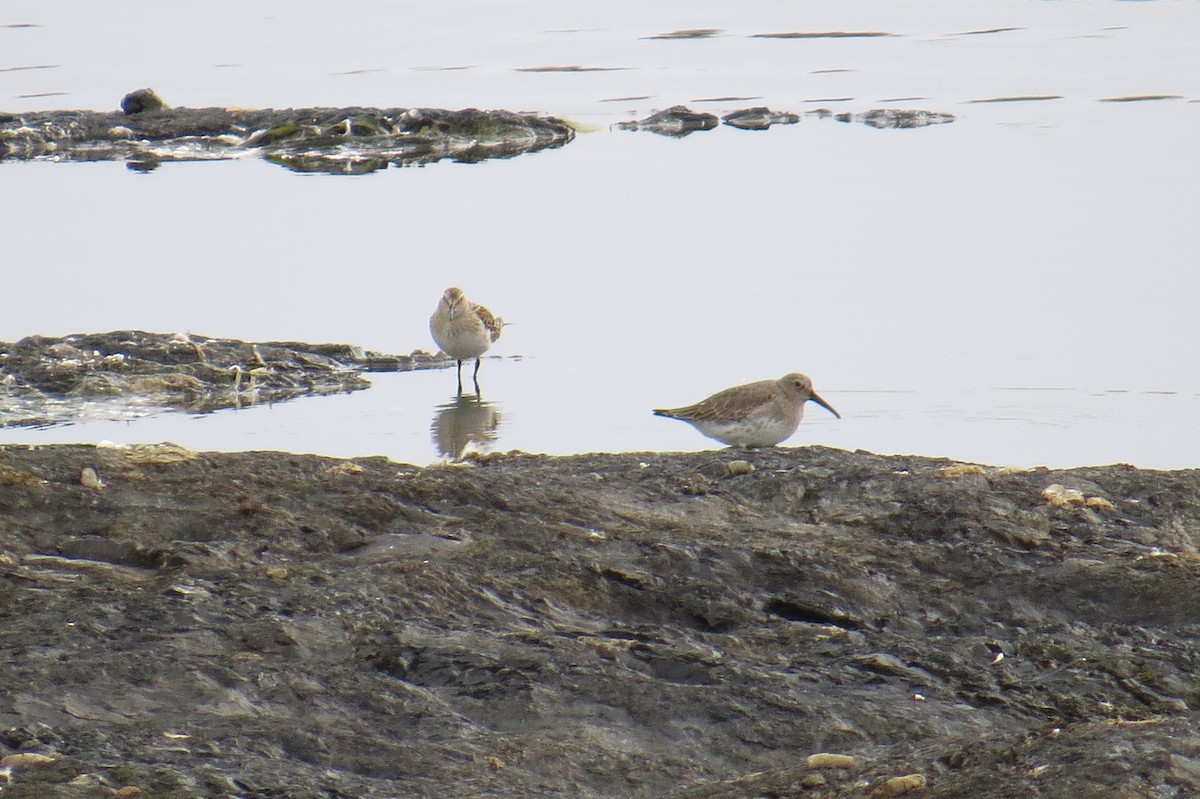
(1016, 287)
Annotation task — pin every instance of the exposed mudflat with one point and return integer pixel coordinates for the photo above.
(181, 624)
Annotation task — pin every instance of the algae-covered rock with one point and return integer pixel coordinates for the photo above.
(130, 372)
(146, 132)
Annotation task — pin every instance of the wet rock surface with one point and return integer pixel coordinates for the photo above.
(130, 373)
(337, 140)
(734, 624)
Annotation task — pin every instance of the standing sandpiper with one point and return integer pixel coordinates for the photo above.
(463, 329)
(758, 414)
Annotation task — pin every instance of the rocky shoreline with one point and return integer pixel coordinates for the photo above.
(734, 624)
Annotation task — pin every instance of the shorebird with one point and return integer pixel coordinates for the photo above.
(463, 329)
(758, 414)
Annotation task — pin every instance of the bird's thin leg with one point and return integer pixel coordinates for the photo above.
(476, 375)
(460, 377)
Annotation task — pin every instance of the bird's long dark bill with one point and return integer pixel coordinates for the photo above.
(825, 405)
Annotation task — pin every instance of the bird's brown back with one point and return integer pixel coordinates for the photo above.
(490, 322)
(731, 404)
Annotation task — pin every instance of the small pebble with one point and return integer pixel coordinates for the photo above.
(734, 468)
(898, 786)
(89, 479)
(27, 759)
(960, 470)
(1062, 497)
(829, 760)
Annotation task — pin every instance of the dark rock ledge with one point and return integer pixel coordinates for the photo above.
(131, 372)
(780, 623)
(338, 140)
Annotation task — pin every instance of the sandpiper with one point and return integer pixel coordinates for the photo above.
(463, 329)
(758, 414)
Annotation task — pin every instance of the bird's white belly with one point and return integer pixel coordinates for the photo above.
(462, 342)
(753, 431)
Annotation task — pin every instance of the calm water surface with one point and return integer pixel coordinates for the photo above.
(1017, 287)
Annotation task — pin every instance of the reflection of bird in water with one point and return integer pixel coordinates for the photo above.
(463, 329)
(464, 421)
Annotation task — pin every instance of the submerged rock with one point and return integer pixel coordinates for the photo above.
(146, 133)
(759, 118)
(902, 118)
(129, 373)
(689, 33)
(629, 625)
(677, 121)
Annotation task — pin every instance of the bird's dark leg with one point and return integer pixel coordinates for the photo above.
(475, 377)
(460, 377)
